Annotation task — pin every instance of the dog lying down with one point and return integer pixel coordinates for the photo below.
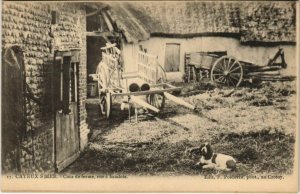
(209, 159)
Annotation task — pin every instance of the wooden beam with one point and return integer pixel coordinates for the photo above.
(103, 34)
(93, 13)
(107, 21)
(139, 93)
(142, 103)
(178, 100)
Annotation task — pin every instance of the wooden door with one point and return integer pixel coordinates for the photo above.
(172, 57)
(67, 138)
(66, 113)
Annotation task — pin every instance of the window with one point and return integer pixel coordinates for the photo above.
(66, 74)
(64, 83)
(54, 17)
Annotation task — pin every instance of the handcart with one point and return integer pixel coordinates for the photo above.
(147, 87)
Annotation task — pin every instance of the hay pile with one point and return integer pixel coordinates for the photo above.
(260, 137)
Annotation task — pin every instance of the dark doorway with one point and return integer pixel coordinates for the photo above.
(94, 55)
(13, 105)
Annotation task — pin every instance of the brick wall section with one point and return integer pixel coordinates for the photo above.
(28, 25)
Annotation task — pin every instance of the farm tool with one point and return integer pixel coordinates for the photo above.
(146, 88)
(227, 70)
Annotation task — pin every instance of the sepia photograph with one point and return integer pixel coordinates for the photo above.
(149, 96)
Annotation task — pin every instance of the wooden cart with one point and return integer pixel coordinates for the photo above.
(227, 70)
(112, 81)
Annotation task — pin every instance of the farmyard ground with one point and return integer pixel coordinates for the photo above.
(256, 125)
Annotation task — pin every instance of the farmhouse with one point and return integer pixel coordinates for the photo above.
(251, 32)
(44, 85)
(48, 50)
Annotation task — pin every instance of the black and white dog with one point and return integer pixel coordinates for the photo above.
(209, 159)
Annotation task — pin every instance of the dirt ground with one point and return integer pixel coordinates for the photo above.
(254, 124)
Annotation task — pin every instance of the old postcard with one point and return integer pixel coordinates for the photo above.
(148, 96)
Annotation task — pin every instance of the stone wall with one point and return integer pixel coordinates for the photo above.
(82, 88)
(28, 25)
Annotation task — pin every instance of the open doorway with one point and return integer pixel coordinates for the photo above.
(94, 56)
(13, 108)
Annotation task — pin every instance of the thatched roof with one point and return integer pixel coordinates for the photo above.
(251, 21)
(268, 22)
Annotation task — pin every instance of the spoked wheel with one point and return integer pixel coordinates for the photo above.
(156, 100)
(161, 75)
(227, 71)
(105, 104)
(105, 99)
(102, 76)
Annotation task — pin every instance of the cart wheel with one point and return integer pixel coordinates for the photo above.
(227, 71)
(105, 104)
(102, 76)
(156, 100)
(161, 75)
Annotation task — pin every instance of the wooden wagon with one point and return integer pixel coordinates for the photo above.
(147, 87)
(227, 70)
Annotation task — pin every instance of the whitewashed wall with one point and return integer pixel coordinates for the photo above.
(256, 54)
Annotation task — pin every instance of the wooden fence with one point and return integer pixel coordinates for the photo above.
(147, 67)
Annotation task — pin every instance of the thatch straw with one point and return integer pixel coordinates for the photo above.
(253, 21)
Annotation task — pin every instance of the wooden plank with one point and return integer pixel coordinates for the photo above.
(285, 78)
(61, 117)
(67, 162)
(58, 137)
(75, 80)
(76, 128)
(57, 83)
(76, 132)
(108, 46)
(129, 76)
(265, 73)
(143, 104)
(158, 91)
(268, 68)
(171, 86)
(101, 34)
(178, 100)
(93, 13)
(72, 132)
(67, 135)
(107, 21)
(63, 136)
